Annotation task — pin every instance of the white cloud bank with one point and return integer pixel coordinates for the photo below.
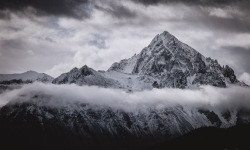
(245, 77)
(64, 95)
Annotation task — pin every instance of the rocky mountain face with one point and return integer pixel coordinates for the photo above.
(166, 62)
(84, 76)
(174, 64)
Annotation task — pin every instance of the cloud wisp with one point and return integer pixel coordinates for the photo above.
(63, 95)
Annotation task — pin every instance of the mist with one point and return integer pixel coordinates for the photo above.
(51, 95)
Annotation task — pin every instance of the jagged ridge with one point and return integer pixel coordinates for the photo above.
(165, 62)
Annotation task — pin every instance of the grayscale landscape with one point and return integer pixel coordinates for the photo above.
(124, 75)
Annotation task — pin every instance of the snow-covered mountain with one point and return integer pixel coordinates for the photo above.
(165, 62)
(111, 79)
(57, 121)
(27, 76)
(84, 76)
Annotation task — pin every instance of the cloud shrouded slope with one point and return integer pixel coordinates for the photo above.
(61, 95)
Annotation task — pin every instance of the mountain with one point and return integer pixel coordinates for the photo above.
(174, 64)
(84, 76)
(29, 76)
(111, 79)
(165, 62)
(15, 81)
(40, 120)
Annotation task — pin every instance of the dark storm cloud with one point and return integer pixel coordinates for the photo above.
(69, 8)
(83, 8)
(203, 15)
(4, 14)
(237, 11)
(191, 2)
(116, 9)
(202, 18)
(234, 24)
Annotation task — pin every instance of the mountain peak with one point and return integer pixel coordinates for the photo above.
(85, 71)
(172, 63)
(74, 69)
(85, 67)
(167, 34)
(165, 62)
(164, 37)
(84, 76)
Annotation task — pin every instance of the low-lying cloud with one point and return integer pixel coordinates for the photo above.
(68, 8)
(65, 95)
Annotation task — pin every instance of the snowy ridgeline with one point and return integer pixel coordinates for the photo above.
(166, 62)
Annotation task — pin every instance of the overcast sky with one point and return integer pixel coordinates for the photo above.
(55, 36)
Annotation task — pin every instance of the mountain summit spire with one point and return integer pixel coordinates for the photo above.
(165, 62)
